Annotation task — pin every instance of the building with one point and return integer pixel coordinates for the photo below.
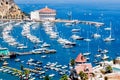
(80, 59)
(112, 76)
(81, 65)
(43, 14)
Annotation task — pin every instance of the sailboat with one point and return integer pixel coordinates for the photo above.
(109, 39)
(87, 39)
(105, 57)
(87, 53)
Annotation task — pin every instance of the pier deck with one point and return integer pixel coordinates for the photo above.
(61, 20)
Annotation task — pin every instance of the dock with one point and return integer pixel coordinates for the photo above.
(24, 53)
(97, 24)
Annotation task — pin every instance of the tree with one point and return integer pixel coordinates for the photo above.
(64, 77)
(26, 72)
(114, 61)
(105, 78)
(83, 75)
(109, 69)
(47, 78)
(72, 62)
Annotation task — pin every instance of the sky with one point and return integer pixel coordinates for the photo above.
(67, 1)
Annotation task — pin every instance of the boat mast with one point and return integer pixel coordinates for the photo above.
(110, 29)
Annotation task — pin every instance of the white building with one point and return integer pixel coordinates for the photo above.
(43, 14)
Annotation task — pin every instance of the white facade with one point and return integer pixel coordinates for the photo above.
(47, 16)
(35, 15)
(43, 14)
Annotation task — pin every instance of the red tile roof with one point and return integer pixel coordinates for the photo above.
(86, 68)
(80, 58)
(47, 10)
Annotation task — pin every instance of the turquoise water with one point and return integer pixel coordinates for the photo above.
(116, 69)
(63, 56)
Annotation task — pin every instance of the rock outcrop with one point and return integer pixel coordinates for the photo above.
(9, 10)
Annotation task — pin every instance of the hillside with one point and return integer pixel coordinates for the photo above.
(9, 10)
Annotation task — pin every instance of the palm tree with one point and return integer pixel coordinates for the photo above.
(47, 78)
(72, 62)
(83, 75)
(105, 78)
(64, 77)
(109, 69)
(26, 72)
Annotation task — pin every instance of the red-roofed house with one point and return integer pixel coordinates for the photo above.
(43, 14)
(86, 68)
(81, 65)
(80, 59)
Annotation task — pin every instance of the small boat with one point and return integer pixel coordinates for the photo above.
(5, 63)
(45, 45)
(105, 51)
(95, 61)
(108, 28)
(87, 40)
(43, 56)
(30, 60)
(86, 54)
(76, 37)
(68, 24)
(67, 46)
(109, 39)
(17, 60)
(51, 75)
(75, 30)
(22, 47)
(99, 50)
(70, 43)
(36, 51)
(50, 51)
(105, 57)
(96, 35)
(98, 55)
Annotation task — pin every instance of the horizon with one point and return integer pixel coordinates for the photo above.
(67, 1)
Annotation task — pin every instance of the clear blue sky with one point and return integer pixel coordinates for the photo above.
(67, 1)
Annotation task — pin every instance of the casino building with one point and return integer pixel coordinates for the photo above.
(43, 14)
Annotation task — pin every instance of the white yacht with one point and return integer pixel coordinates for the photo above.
(76, 37)
(98, 55)
(109, 39)
(86, 54)
(68, 24)
(105, 51)
(51, 75)
(45, 45)
(75, 30)
(108, 28)
(105, 57)
(43, 56)
(96, 35)
(87, 40)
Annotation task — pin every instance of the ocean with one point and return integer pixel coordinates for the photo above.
(99, 13)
